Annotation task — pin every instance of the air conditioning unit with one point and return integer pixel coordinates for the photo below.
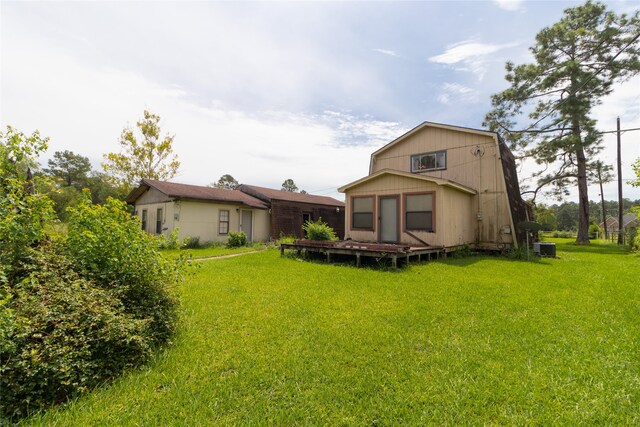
(545, 249)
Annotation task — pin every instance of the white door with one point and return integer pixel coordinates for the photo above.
(246, 221)
(389, 219)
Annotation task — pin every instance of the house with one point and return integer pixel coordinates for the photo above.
(289, 210)
(203, 212)
(629, 221)
(211, 213)
(439, 185)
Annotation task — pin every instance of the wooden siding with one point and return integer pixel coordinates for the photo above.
(453, 211)
(482, 171)
(286, 218)
(462, 166)
(152, 196)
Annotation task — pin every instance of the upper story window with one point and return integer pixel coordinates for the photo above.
(429, 161)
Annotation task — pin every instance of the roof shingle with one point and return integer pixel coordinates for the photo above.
(196, 192)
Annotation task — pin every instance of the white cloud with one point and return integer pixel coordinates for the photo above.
(387, 52)
(510, 5)
(92, 105)
(473, 56)
(455, 93)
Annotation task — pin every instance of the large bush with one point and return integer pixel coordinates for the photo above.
(23, 212)
(61, 335)
(74, 311)
(108, 246)
(237, 240)
(319, 230)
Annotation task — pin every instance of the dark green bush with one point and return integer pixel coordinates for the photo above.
(170, 241)
(319, 230)
(61, 335)
(236, 240)
(108, 247)
(192, 243)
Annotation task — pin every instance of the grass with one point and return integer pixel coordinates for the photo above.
(269, 340)
(213, 251)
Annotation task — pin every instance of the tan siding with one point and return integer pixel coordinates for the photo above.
(482, 173)
(200, 219)
(152, 196)
(152, 209)
(453, 211)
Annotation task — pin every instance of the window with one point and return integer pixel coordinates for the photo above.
(429, 161)
(144, 219)
(223, 222)
(159, 221)
(419, 212)
(362, 212)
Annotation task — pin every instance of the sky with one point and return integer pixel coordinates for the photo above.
(267, 91)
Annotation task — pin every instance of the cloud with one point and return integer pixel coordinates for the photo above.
(263, 147)
(455, 93)
(472, 55)
(510, 5)
(387, 52)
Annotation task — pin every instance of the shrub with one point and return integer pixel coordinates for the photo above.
(633, 237)
(319, 230)
(236, 240)
(285, 239)
(23, 211)
(61, 335)
(108, 247)
(191, 243)
(170, 241)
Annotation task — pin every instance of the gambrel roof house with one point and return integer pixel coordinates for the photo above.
(211, 213)
(439, 185)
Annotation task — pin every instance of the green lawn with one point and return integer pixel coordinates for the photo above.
(267, 340)
(213, 251)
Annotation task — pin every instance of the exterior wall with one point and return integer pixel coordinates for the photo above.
(287, 218)
(152, 196)
(167, 220)
(453, 213)
(200, 219)
(482, 172)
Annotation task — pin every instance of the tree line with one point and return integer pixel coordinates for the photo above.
(566, 216)
(145, 153)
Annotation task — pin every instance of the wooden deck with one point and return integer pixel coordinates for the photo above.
(394, 252)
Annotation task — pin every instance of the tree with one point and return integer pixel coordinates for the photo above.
(636, 169)
(23, 210)
(577, 61)
(146, 156)
(602, 174)
(546, 217)
(227, 182)
(289, 185)
(71, 168)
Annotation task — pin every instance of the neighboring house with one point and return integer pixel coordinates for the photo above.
(203, 212)
(288, 210)
(628, 221)
(211, 213)
(439, 185)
